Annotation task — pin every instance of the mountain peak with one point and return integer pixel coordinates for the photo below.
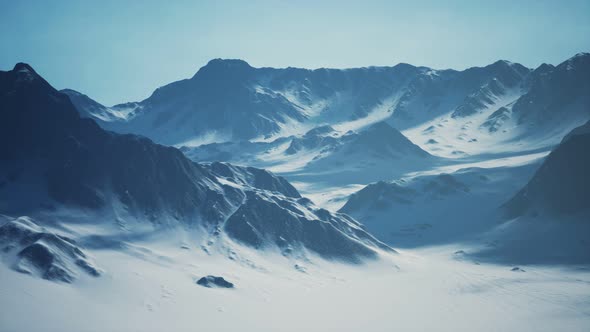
(71, 92)
(582, 55)
(380, 133)
(21, 66)
(228, 62)
(24, 72)
(503, 63)
(23, 76)
(581, 58)
(579, 63)
(321, 130)
(232, 67)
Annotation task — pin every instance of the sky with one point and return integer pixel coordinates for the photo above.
(120, 51)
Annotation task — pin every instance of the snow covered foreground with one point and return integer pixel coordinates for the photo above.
(434, 289)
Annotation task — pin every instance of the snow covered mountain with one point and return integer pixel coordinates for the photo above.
(240, 102)
(505, 117)
(65, 171)
(326, 155)
(299, 123)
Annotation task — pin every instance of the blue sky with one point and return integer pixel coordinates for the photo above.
(117, 51)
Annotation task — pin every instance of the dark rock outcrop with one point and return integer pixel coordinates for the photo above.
(35, 250)
(214, 282)
(561, 186)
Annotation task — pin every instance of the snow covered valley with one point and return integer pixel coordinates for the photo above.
(417, 290)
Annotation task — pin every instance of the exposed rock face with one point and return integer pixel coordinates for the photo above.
(319, 137)
(562, 184)
(35, 250)
(290, 224)
(214, 282)
(254, 177)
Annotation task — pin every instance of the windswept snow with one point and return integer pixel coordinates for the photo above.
(424, 290)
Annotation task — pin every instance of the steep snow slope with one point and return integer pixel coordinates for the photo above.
(67, 171)
(89, 108)
(502, 118)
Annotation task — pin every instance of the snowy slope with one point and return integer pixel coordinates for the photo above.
(523, 209)
(325, 154)
(89, 108)
(424, 290)
(504, 118)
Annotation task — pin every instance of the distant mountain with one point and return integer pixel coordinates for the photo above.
(54, 163)
(384, 141)
(507, 78)
(326, 154)
(241, 102)
(448, 113)
(561, 186)
(319, 137)
(504, 116)
(554, 95)
(378, 152)
(378, 141)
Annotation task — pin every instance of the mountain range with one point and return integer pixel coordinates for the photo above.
(228, 100)
(427, 150)
(307, 124)
(62, 170)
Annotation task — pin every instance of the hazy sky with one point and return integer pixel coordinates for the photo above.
(117, 51)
